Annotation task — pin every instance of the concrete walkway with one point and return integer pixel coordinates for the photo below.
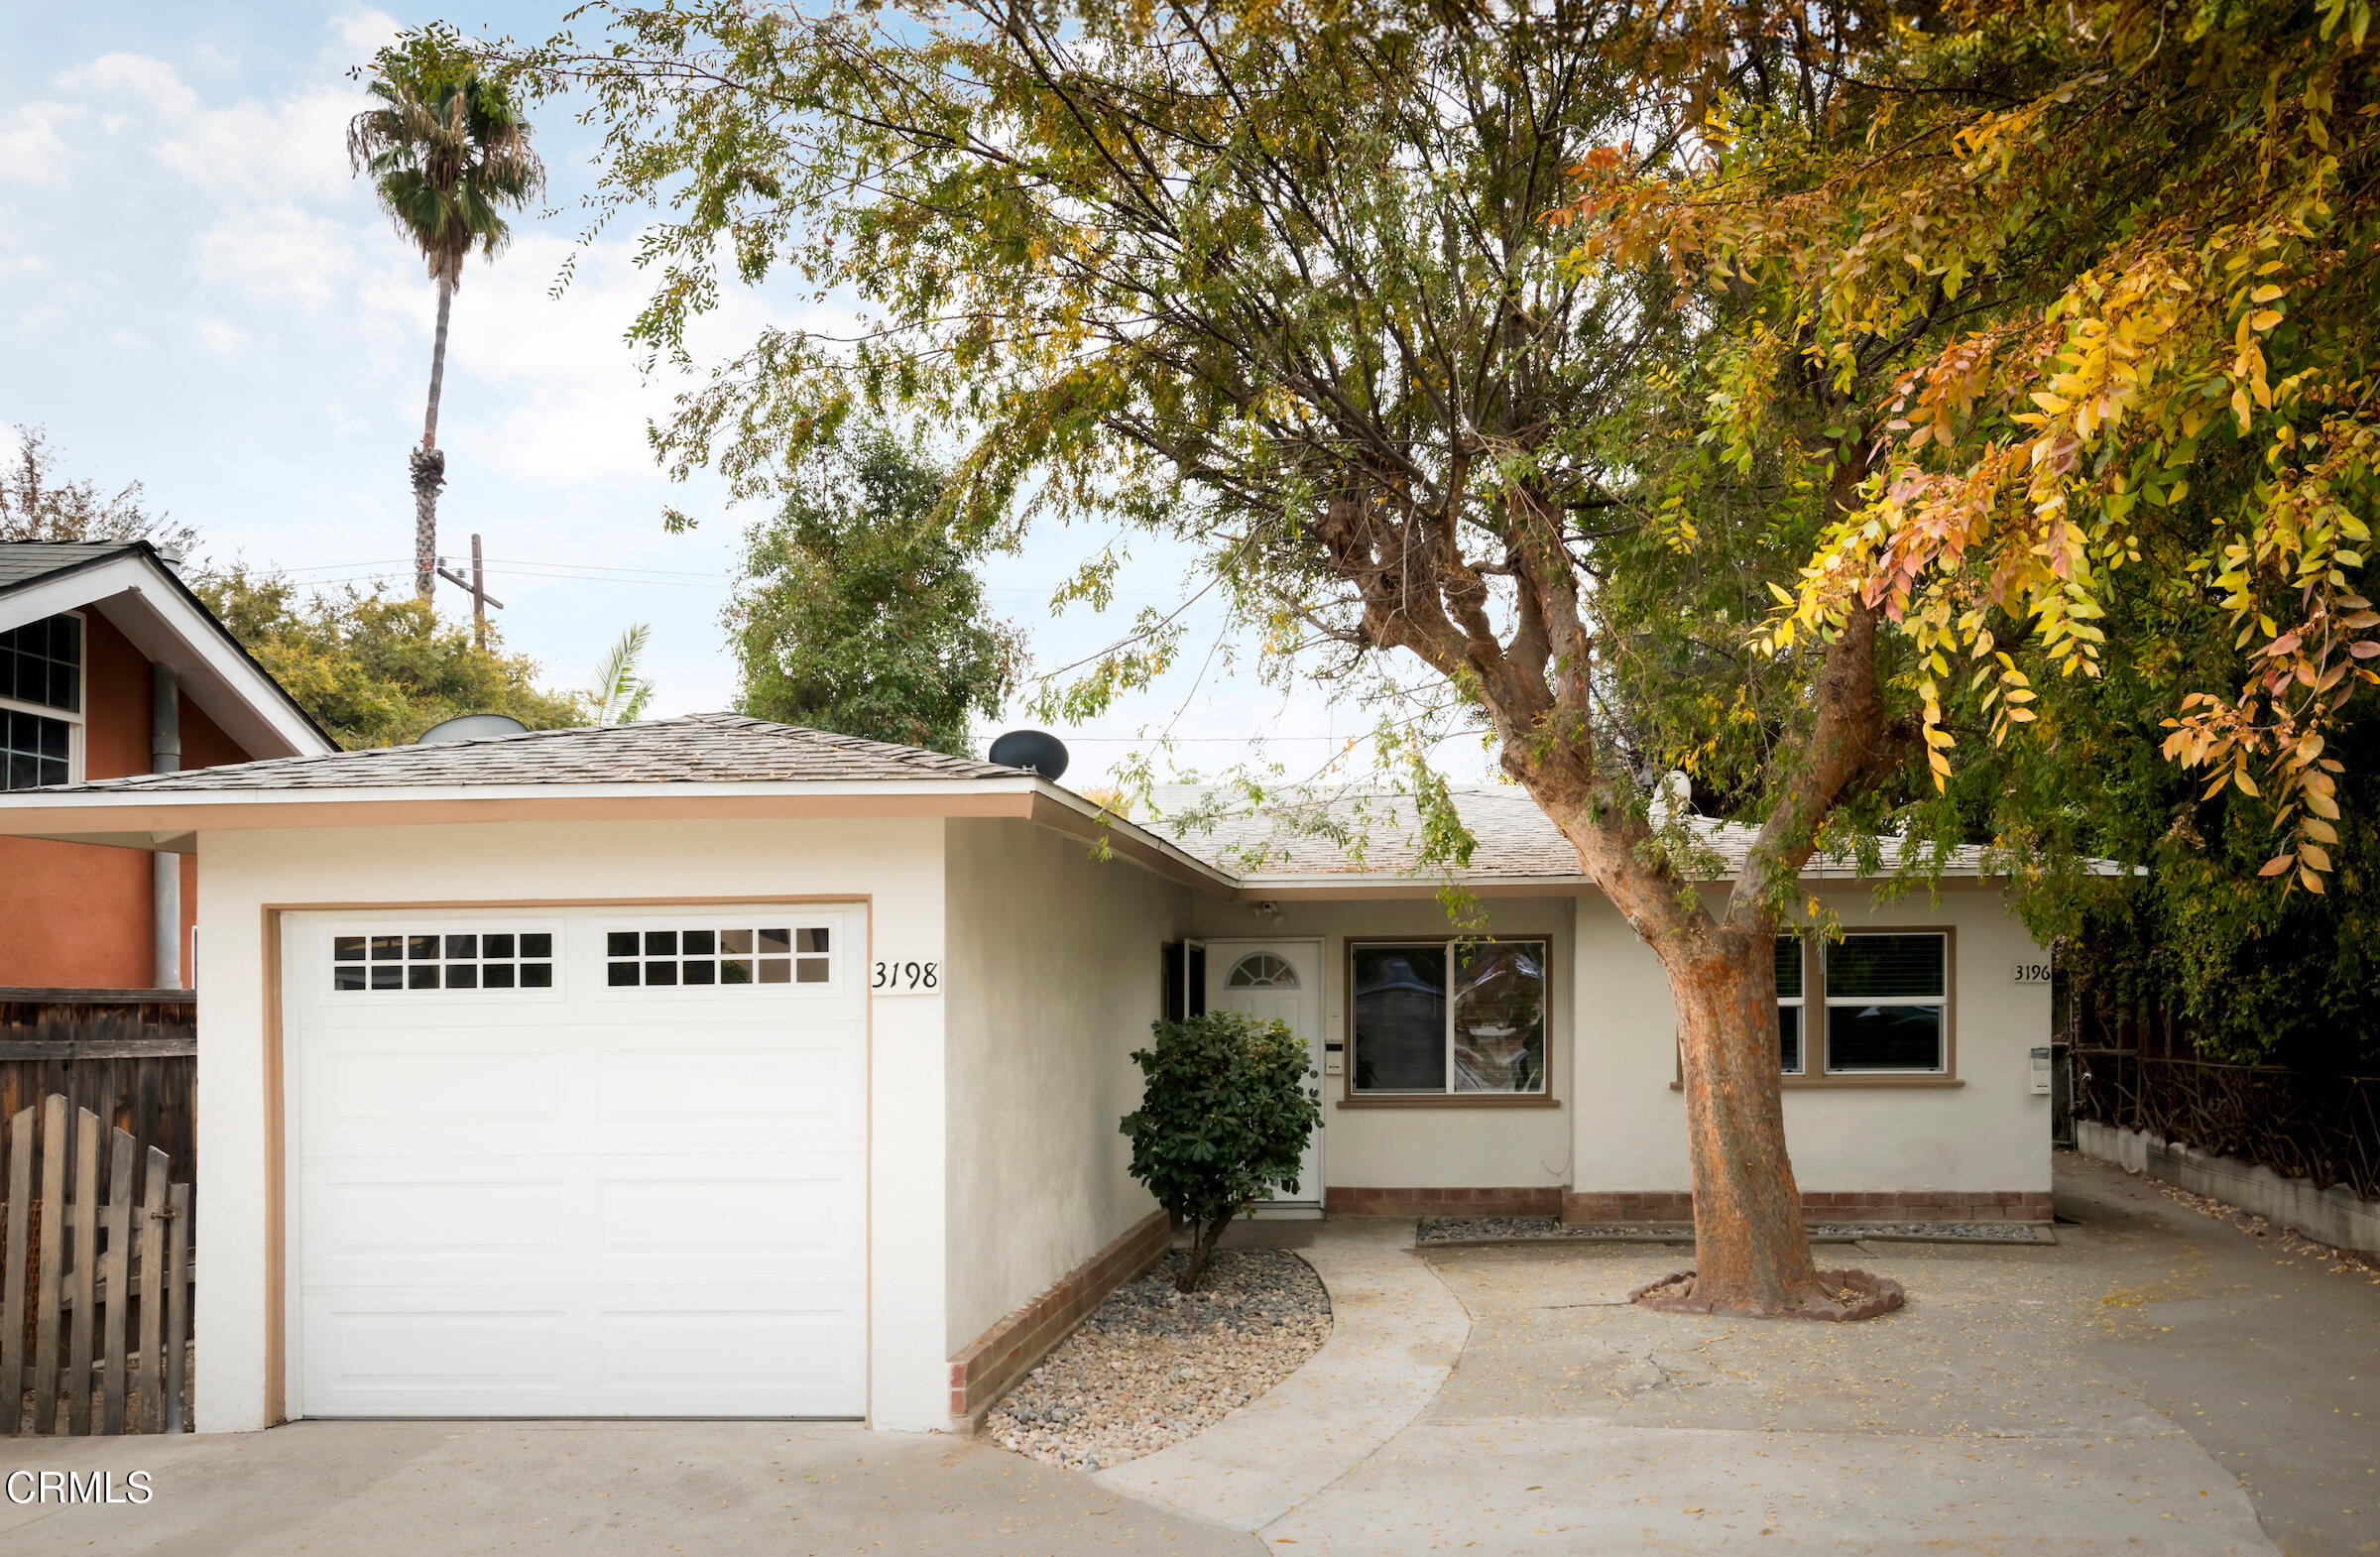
(1987, 1417)
(1396, 1333)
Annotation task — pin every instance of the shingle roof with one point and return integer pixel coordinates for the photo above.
(1373, 832)
(22, 562)
(695, 749)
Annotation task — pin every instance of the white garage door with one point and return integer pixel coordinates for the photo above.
(585, 1162)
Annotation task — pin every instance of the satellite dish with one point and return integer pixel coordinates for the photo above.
(471, 727)
(1035, 751)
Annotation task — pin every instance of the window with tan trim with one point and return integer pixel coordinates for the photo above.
(1873, 1009)
(1792, 1022)
(1888, 1003)
(1447, 1018)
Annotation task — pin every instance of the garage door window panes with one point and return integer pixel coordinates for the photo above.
(713, 955)
(443, 960)
(1888, 1003)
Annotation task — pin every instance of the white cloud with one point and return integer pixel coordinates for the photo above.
(357, 32)
(31, 149)
(280, 252)
(149, 85)
(293, 147)
(221, 338)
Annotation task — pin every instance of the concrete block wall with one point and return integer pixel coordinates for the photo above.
(2335, 1216)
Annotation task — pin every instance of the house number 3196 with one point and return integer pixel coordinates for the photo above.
(908, 978)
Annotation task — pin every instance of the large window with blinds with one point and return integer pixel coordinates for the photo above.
(1888, 1004)
(1874, 1004)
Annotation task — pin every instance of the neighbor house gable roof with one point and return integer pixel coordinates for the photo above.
(136, 588)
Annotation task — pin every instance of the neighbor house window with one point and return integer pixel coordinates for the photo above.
(40, 702)
(1790, 1003)
(710, 955)
(443, 960)
(1888, 1003)
(1447, 1018)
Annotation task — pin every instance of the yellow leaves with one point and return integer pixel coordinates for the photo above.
(2266, 294)
(2264, 318)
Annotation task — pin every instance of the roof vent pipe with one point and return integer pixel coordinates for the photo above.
(1673, 798)
(1035, 751)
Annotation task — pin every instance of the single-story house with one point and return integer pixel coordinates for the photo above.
(707, 1066)
(110, 665)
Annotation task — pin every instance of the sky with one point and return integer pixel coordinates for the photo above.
(196, 294)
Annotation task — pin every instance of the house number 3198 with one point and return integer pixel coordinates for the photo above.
(908, 978)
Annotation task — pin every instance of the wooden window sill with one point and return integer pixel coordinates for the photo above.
(1453, 1100)
(1853, 1083)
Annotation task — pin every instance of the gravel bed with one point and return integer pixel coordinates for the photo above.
(1151, 1367)
(1460, 1231)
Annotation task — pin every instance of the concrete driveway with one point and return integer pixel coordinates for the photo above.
(434, 1489)
(2156, 1382)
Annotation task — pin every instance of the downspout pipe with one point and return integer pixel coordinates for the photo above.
(164, 757)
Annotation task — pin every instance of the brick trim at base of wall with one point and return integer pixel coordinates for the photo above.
(1520, 1201)
(1820, 1205)
(1000, 1355)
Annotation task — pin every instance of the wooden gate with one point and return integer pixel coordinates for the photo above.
(94, 1284)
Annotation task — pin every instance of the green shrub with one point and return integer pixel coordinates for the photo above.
(1224, 1117)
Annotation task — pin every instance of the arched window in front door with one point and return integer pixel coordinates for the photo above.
(1262, 969)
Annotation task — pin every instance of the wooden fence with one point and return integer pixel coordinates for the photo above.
(94, 1292)
(130, 1056)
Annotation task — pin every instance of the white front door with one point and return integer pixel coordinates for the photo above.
(1276, 981)
(578, 1163)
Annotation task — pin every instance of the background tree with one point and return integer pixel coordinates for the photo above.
(36, 504)
(858, 611)
(1223, 1118)
(1282, 282)
(447, 153)
(376, 672)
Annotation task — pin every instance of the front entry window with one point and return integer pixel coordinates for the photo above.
(1262, 971)
(1449, 1016)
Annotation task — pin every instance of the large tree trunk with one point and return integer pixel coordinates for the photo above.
(429, 463)
(1751, 1249)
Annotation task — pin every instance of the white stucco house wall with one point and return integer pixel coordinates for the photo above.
(713, 1067)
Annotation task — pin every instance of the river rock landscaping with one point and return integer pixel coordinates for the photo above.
(1151, 1367)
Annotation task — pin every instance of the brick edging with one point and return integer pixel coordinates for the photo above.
(1823, 1205)
(1000, 1355)
(1509, 1201)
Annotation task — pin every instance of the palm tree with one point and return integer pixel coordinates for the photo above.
(447, 151)
(621, 692)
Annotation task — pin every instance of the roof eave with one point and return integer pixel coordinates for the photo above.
(145, 601)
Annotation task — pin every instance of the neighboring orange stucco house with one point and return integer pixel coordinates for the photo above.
(110, 666)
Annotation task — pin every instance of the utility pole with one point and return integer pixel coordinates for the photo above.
(477, 585)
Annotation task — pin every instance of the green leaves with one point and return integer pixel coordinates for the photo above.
(445, 146)
(1225, 1114)
(373, 671)
(858, 611)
